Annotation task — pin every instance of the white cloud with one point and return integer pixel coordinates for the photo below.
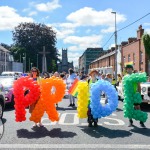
(32, 13)
(68, 25)
(49, 6)
(108, 30)
(146, 24)
(73, 57)
(62, 33)
(85, 41)
(89, 17)
(9, 18)
(112, 45)
(147, 31)
(73, 48)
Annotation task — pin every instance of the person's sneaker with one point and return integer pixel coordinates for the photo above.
(95, 124)
(35, 125)
(90, 125)
(130, 123)
(70, 105)
(73, 105)
(142, 125)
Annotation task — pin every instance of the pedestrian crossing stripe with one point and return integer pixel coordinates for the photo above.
(75, 146)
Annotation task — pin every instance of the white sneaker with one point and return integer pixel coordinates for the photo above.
(35, 125)
(41, 125)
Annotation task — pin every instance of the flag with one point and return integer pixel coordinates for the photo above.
(73, 89)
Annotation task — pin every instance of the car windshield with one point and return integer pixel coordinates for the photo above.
(7, 81)
(146, 83)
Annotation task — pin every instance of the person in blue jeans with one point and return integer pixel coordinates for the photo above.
(93, 74)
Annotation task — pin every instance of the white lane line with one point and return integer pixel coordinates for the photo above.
(75, 146)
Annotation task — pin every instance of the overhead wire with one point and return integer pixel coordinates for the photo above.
(124, 28)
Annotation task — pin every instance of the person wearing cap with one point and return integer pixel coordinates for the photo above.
(129, 71)
(90, 119)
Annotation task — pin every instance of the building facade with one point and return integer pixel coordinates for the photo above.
(88, 56)
(133, 52)
(64, 65)
(5, 60)
(106, 63)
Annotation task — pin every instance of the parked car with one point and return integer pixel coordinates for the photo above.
(145, 92)
(7, 83)
(16, 75)
(2, 101)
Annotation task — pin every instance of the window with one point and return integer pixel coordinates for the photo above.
(133, 58)
(141, 57)
(124, 58)
(129, 58)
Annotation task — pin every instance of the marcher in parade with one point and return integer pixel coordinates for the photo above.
(35, 74)
(90, 119)
(129, 70)
(70, 80)
(56, 74)
(46, 75)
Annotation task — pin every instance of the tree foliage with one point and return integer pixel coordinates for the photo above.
(30, 38)
(146, 42)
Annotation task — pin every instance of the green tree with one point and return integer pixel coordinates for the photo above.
(30, 38)
(146, 42)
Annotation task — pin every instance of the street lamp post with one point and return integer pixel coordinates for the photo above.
(24, 61)
(31, 65)
(23, 64)
(37, 61)
(115, 46)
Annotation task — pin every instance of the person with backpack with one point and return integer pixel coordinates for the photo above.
(93, 74)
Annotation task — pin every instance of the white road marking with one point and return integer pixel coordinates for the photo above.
(46, 121)
(63, 116)
(86, 124)
(113, 114)
(120, 122)
(75, 146)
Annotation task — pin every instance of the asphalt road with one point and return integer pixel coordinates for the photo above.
(71, 132)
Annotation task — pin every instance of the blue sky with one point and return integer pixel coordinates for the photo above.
(79, 23)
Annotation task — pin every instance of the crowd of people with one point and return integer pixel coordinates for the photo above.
(69, 79)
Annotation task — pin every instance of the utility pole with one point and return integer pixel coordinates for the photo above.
(5, 60)
(115, 46)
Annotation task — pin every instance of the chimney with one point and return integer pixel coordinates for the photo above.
(140, 32)
(124, 43)
(130, 40)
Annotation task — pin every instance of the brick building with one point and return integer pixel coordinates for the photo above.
(87, 57)
(133, 52)
(106, 63)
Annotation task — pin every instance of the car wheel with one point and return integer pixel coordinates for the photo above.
(1, 110)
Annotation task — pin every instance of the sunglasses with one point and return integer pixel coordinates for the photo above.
(34, 71)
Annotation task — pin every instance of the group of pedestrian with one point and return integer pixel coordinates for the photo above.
(69, 79)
